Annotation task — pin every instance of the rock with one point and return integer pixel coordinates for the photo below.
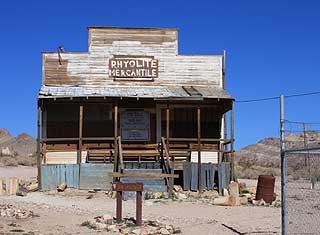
(243, 200)
(225, 192)
(211, 194)
(177, 188)
(253, 191)
(247, 195)
(137, 231)
(242, 186)
(125, 230)
(234, 189)
(92, 223)
(21, 194)
(112, 228)
(221, 201)
(101, 226)
(34, 186)
(62, 187)
(107, 219)
(180, 196)
(260, 202)
(164, 231)
(233, 201)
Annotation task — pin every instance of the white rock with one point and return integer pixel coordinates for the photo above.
(164, 231)
(221, 201)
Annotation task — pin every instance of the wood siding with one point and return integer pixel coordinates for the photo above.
(91, 69)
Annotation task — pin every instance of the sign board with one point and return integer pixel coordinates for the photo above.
(133, 68)
(135, 125)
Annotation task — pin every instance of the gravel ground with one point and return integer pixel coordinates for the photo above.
(62, 213)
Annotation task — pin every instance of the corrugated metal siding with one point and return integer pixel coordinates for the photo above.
(54, 175)
(131, 91)
(95, 176)
(209, 172)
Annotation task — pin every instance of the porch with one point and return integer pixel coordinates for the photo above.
(135, 133)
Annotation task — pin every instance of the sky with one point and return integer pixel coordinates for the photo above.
(272, 48)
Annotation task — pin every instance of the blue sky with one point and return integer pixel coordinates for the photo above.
(273, 47)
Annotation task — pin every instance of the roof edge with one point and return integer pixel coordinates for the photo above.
(119, 27)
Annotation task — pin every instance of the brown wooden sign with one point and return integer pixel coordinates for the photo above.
(129, 186)
(135, 68)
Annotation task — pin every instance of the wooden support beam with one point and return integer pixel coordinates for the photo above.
(142, 175)
(80, 134)
(44, 135)
(115, 123)
(120, 154)
(139, 208)
(168, 150)
(199, 148)
(232, 141)
(39, 151)
(119, 206)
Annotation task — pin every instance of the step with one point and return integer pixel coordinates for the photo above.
(142, 165)
(144, 181)
(155, 171)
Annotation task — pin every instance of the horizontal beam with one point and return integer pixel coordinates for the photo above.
(76, 139)
(201, 140)
(141, 175)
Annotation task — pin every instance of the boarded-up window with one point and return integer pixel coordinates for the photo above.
(183, 123)
(62, 121)
(97, 120)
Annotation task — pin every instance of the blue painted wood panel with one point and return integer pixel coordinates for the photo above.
(208, 173)
(95, 176)
(54, 175)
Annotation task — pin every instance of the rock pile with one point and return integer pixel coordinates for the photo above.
(10, 211)
(128, 226)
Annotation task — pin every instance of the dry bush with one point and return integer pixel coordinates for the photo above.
(17, 160)
(253, 172)
(247, 162)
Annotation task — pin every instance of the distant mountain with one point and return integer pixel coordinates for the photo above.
(21, 145)
(267, 151)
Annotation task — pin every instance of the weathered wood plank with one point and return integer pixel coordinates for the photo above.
(142, 175)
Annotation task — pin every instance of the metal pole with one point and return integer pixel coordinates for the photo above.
(283, 169)
(232, 141)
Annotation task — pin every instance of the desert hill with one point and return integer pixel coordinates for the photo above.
(17, 149)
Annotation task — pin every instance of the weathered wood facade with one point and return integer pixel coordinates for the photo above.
(132, 99)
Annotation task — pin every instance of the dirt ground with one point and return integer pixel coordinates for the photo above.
(63, 213)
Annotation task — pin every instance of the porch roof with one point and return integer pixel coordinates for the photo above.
(155, 92)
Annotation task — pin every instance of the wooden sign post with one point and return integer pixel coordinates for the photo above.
(138, 188)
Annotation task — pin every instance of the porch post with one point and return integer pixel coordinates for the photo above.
(80, 133)
(168, 149)
(115, 137)
(44, 134)
(232, 141)
(199, 148)
(39, 152)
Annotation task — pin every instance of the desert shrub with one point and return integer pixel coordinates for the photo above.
(253, 172)
(18, 160)
(8, 161)
(247, 162)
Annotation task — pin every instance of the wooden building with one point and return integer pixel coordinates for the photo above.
(132, 102)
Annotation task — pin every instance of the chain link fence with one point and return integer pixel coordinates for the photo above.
(302, 183)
